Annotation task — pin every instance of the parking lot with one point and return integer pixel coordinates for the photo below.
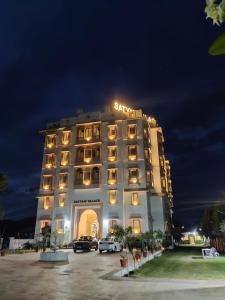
(23, 277)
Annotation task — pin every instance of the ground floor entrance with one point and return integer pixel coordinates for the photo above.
(87, 221)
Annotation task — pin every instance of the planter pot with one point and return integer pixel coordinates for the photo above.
(54, 256)
(145, 253)
(138, 256)
(2, 253)
(124, 262)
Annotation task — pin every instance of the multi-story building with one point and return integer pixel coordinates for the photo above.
(104, 168)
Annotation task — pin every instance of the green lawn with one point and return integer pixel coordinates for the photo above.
(184, 263)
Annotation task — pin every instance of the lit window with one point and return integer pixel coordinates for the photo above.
(66, 137)
(132, 131)
(95, 175)
(112, 153)
(112, 176)
(134, 199)
(60, 226)
(62, 201)
(63, 180)
(133, 175)
(64, 158)
(80, 133)
(49, 161)
(112, 223)
(87, 177)
(132, 152)
(149, 178)
(51, 141)
(47, 203)
(136, 226)
(145, 133)
(87, 155)
(112, 197)
(112, 132)
(147, 156)
(47, 182)
(163, 182)
(96, 132)
(88, 133)
(44, 223)
(96, 154)
(78, 176)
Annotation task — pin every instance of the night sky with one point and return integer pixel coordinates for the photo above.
(57, 56)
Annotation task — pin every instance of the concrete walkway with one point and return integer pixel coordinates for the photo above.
(23, 277)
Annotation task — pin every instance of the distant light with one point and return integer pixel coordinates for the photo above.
(67, 223)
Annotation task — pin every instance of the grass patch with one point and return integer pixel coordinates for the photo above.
(184, 263)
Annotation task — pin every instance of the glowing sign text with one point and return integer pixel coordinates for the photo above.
(122, 108)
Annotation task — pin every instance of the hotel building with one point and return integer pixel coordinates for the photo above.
(104, 168)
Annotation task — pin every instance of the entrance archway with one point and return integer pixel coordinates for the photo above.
(88, 224)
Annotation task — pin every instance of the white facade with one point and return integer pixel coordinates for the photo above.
(101, 169)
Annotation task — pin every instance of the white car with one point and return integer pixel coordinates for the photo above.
(110, 245)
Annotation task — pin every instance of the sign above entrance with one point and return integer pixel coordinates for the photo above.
(87, 201)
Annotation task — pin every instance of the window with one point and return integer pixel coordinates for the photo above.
(80, 133)
(149, 178)
(64, 158)
(46, 203)
(96, 131)
(47, 182)
(96, 154)
(49, 161)
(87, 155)
(79, 176)
(112, 176)
(112, 132)
(136, 226)
(87, 177)
(132, 152)
(134, 199)
(60, 226)
(87, 133)
(112, 223)
(51, 141)
(95, 175)
(133, 175)
(66, 137)
(63, 180)
(44, 223)
(132, 131)
(145, 133)
(62, 200)
(147, 156)
(80, 154)
(112, 153)
(112, 197)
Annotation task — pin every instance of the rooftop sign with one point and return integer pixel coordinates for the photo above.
(122, 108)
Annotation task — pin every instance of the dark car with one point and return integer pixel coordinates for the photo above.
(85, 243)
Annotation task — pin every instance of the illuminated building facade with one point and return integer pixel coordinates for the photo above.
(104, 168)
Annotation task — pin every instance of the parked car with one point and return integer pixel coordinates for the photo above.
(85, 243)
(110, 245)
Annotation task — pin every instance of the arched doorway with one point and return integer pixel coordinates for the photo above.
(88, 224)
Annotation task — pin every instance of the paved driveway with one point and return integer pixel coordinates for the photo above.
(23, 277)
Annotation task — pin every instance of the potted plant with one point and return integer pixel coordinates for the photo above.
(137, 254)
(145, 252)
(124, 259)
